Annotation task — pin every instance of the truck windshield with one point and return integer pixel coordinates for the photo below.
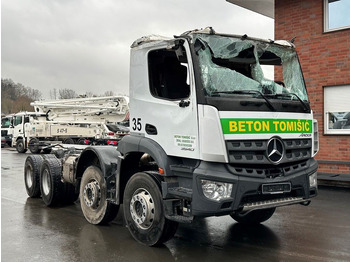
(232, 66)
(5, 122)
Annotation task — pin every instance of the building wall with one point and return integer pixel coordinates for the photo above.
(325, 60)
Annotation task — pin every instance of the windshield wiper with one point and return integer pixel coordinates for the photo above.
(305, 106)
(248, 92)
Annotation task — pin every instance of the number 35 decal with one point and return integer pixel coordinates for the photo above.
(136, 124)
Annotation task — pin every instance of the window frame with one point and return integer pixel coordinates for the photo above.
(326, 115)
(326, 28)
(16, 121)
(5, 122)
(151, 85)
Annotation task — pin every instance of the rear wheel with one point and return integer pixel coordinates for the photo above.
(33, 146)
(143, 211)
(68, 141)
(51, 186)
(32, 175)
(20, 147)
(254, 217)
(81, 141)
(93, 194)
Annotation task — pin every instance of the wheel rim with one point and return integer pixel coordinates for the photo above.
(20, 146)
(46, 182)
(29, 176)
(92, 194)
(31, 145)
(142, 208)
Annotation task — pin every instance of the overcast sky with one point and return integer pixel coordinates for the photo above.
(84, 44)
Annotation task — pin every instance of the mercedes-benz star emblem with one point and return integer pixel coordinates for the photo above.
(275, 150)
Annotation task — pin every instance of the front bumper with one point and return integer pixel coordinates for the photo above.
(247, 192)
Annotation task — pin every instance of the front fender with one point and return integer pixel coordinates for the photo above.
(105, 157)
(131, 144)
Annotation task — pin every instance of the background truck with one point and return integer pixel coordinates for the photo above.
(7, 128)
(211, 135)
(70, 121)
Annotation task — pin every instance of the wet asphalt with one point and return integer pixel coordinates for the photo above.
(30, 231)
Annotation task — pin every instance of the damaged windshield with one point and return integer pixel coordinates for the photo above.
(231, 65)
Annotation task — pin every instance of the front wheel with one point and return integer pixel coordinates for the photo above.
(144, 213)
(254, 217)
(93, 197)
(20, 147)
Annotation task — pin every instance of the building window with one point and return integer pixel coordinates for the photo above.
(337, 110)
(336, 15)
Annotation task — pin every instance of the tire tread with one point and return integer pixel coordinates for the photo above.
(35, 161)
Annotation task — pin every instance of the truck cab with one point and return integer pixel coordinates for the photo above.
(232, 109)
(7, 129)
(21, 129)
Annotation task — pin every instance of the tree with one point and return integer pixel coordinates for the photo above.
(108, 93)
(16, 97)
(65, 93)
(89, 94)
(53, 94)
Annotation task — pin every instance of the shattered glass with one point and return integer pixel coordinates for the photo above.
(216, 78)
(233, 64)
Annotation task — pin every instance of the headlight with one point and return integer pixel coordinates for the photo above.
(313, 180)
(216, 190)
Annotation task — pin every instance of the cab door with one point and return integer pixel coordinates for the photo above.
(164, 109)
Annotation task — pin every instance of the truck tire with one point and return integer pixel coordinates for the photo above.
(144, 213)
(254, 217)
(93, 197)
(68, 141)
(32, 175)
(20, 147)
(51, 186)
(32, 147)
(81, 141)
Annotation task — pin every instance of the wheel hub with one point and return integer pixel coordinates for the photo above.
(46, 182)
(142, 208)
(29, 176)
(92, 194)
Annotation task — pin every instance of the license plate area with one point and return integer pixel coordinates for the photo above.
(276, 188)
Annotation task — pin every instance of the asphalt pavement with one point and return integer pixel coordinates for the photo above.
(30, 231)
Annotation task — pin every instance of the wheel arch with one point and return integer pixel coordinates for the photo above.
(134, 145)
(19, 137)
(105, 157)
(133, 148)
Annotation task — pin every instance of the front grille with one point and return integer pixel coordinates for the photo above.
(255, 151)
(268, 171)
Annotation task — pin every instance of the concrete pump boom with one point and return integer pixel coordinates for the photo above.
(84, 110)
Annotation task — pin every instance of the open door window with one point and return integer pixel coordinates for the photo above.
(168, 74)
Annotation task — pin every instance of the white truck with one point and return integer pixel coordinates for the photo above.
(211, 135)
(7, 128)
(70, 121)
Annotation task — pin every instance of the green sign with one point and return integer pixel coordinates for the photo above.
(265, 126)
